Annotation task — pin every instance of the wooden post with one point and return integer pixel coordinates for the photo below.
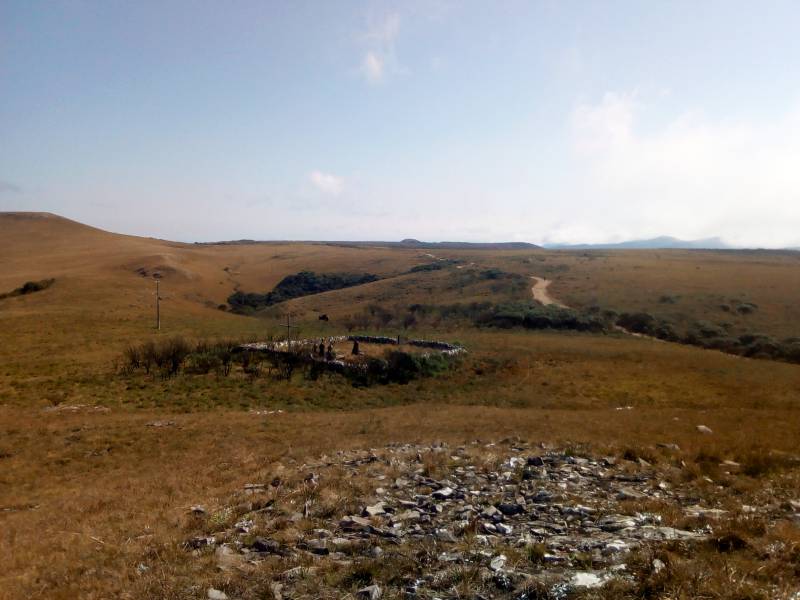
(158, 306)
(289, 328)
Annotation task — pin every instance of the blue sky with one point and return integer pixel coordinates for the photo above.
(441, 120)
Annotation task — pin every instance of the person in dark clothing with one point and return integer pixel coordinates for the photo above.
(329, 354)
(321, 350)
(355, 348)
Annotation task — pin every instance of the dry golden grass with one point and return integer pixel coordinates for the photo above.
(108, 490)
(85, 496)
(700, 282)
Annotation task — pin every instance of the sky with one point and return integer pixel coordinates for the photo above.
(501, 120)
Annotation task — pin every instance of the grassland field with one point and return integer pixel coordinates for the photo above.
(88, 490)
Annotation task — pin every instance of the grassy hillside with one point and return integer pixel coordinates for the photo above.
(90, 488)
(687, 286)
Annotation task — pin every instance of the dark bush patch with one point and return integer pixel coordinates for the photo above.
(29, 287)
(643, 323)
(304, 283)
(437, 266)
(746, 308)
(536, 316)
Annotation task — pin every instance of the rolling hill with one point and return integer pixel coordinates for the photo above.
(658, 243)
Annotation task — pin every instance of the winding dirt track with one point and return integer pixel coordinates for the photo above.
(540, 293)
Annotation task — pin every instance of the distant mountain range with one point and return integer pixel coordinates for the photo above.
(407, 243)
(416, 244)
(411, 243)
(662, 242)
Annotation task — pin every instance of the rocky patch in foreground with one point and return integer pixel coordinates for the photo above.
(478, 521)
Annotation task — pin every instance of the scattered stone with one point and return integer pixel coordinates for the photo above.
(672, 447)
(374, 510)
(562, 507)
(629, 494)
(698, 512)
(298, 572)
(197, 510)
(162, 424)
(443, 493)
(318, 547)
(354, 522)
(510, 509)
(214, 594)
(703, 429)
(277, 591)
(406, 515)
(244, 525)
(371, 592)
(615, 523)
(498, 562)
(588, 579)
(445, 535)
(198, 542)
(266, 546)
(503, 528)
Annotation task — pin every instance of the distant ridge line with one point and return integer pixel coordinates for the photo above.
(408, 243)
(658, 243)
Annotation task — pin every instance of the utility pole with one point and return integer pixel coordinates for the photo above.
(289, 328)
(158, 306)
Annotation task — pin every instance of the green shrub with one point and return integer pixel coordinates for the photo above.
(29, 287)
(536, 316)
(643, 323)
(204, 362)
(426, 267)
(295, 286)
(171, 354)
(132, 358)
(746, 308)
(401, 367)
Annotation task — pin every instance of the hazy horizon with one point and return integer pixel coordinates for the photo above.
(462, 121)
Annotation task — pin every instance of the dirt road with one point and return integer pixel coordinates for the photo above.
(540, 293)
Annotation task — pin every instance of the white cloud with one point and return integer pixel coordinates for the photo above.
(372, 67)
(691, 176)
(327, 183)
(379, 40)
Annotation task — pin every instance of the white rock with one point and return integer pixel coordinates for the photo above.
(703, 429)
(443, 493)
(615, 547)
(214, 594)
(587, 579)
(503, 528)
(498, 562)
(374, 510)
(371, 592)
